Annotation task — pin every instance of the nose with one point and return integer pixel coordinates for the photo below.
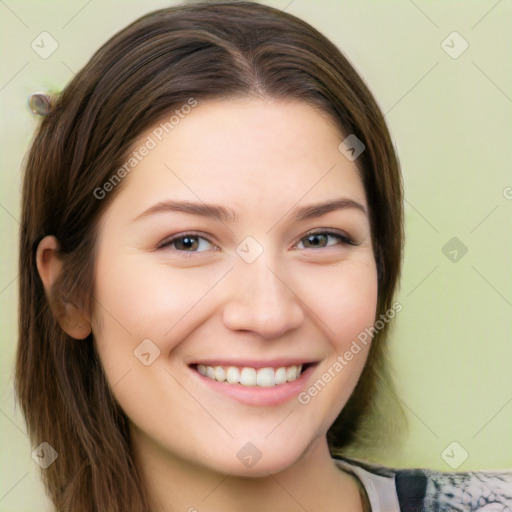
(261, 301)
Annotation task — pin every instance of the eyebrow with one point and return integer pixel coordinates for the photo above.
(228, 215)
(205, 210)
(317, 210)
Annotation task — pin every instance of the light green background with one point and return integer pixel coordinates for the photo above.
(450, 120)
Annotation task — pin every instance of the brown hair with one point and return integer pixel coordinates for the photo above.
(206, 50)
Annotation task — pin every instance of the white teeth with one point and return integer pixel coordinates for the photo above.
(291, 373)
(248, 377)
(251, 377)
(265, 377)
(233, 375)
(220, 374)
(280, 375)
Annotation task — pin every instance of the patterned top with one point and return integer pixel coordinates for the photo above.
(424, 490)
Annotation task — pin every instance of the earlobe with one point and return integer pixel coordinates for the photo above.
(49, 265)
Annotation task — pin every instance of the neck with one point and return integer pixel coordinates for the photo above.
(312, 483)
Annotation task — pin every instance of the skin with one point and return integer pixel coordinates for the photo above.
(262, 159)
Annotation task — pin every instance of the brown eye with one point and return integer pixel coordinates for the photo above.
(321, 240)
(316, 240)
(186, 243)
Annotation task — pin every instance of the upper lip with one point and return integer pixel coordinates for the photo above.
(253, 363)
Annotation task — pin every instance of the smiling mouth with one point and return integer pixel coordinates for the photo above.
(252, 377)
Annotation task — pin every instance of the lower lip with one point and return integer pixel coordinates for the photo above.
(259, 395)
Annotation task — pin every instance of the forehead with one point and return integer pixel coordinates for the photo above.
(242, 151)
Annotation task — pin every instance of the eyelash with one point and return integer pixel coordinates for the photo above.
(344, 239)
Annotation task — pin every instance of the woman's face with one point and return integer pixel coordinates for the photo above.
(239, 246)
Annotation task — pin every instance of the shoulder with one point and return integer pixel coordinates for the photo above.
(422, 490)
(478, 491)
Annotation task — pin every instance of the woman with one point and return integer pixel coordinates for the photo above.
(211, 242)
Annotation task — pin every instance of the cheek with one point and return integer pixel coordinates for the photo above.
(142, 309)
(135, 301)
(145, 299)
(346, 301)
(344, 311)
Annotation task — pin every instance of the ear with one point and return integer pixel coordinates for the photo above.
(49, 265)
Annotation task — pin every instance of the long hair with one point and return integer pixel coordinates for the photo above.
(205, 50)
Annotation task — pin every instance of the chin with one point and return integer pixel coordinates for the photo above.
(258, 459)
